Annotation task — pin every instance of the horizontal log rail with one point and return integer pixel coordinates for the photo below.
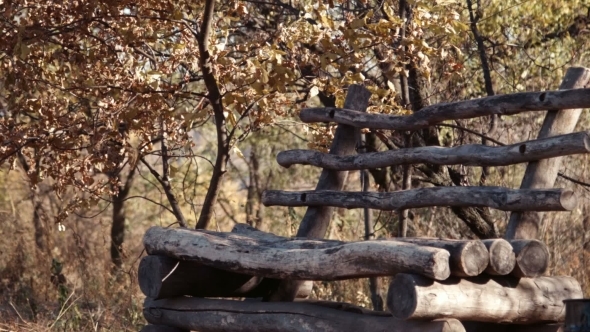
(208, 315)
(504, 105)
(297, 259)
(495, 197)
(482, 299)
(469, 155)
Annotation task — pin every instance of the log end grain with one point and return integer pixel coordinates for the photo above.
(150, 273)
(441, 269)
(475, 259)
(502, 258)
(568, 200)
(532, 258)
(402, 298)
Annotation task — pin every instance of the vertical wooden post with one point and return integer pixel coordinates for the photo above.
(317, 218)
(543, 173)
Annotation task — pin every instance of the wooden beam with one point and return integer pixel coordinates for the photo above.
(502, 104)
(502, 258)
(311, 259)
(532, 258)
(483, 299)
(468, 257)
(469, 155)
(207, 315)
(543, 173)
(494, 197)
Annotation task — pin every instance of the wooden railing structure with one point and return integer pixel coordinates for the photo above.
(436, 284)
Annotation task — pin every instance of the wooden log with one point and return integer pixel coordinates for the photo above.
(161, 328)
(494, 197)
(532, 258)
(469, 155)
(163, 277)
(326, 260)
(316, 220)
(502, 258)
(502, 104)
(207, 315)
(468, 258)
(484, 299)
(491, 327)
(543, 173)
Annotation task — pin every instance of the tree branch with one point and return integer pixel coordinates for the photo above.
(165, 183)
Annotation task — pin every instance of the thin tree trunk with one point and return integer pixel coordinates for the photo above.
(118, 222)
(254, 208)
(215, 98)
(474, 18)
(39, 215)
(406, 184)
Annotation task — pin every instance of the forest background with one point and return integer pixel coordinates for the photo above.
(119, 115)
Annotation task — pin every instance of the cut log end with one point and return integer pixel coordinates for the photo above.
(441, 269)
(502, 258)
(149, 283)
(568, 200)
(532, 258)
(402, 298)
(475, 258)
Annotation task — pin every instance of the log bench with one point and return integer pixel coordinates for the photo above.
(231, 281)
